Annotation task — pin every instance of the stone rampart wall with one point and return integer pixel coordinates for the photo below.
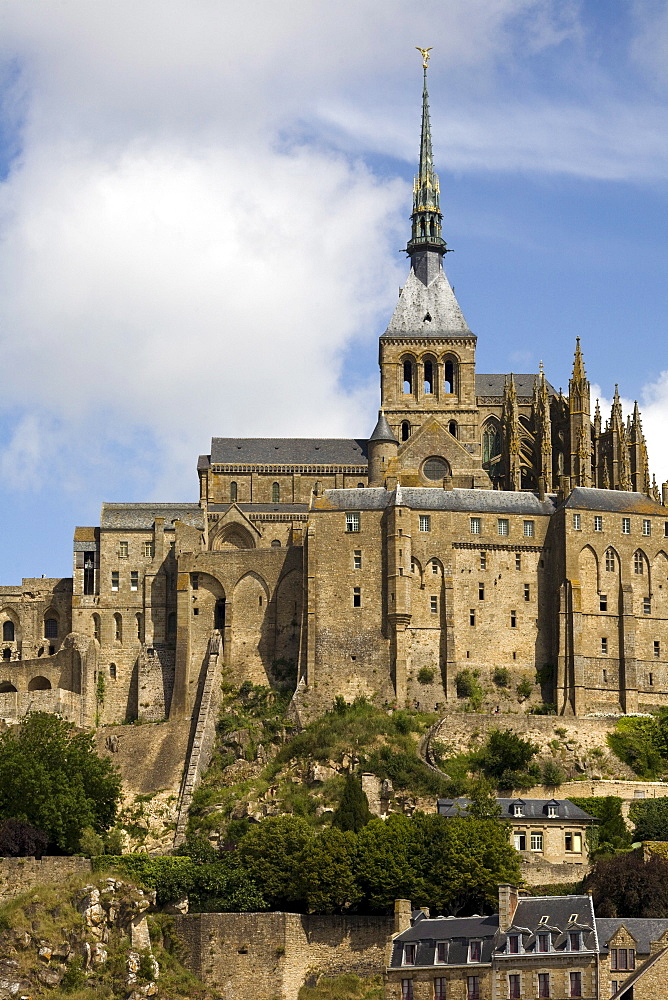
(260, 956)
(18, 875)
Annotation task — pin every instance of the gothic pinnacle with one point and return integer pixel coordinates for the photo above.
(579, 374)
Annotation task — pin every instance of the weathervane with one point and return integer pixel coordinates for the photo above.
(425, 55)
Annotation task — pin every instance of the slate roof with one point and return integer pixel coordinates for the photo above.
(433, 498)
(288, 451)
(532, 808)
(140, 516)
(457, 931)
(622, 501)
(493, 385)
(530, 919)
(382, 431)
(644, 930)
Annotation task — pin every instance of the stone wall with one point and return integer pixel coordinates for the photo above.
(260, 956)
(18, 875)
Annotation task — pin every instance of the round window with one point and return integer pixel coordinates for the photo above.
(435, 468)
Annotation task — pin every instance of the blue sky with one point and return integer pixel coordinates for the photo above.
(202, 204)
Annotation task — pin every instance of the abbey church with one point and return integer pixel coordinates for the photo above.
(488, 521)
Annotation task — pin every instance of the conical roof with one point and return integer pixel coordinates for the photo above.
(382, 431)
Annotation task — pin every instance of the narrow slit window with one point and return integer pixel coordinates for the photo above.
(527, 591)
(275, 493)
(405, 430)
(483, 560)
(234, 492)
(408, 377)
(428, 378)
(434, 605)
(357, 597)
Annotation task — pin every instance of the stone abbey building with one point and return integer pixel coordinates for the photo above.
(488, 521)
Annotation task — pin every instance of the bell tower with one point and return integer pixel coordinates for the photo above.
(427, 353)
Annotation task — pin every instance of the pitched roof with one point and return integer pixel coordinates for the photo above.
(288, 451)
(532, 808)
(643, 929)
(622, 501)
(140, 516)
(457, 931)
(493, 385)
(531, 911)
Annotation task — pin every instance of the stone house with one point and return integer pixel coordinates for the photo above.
(533, 947)
(552, 829)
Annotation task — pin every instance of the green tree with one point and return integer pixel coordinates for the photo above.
(506, 759)
(629, 886)
(385, 861)
(482, 799)
(327, 871)
(650, 818)
(610, 833)
(460, 862)
(640, 742)
(353, 810)
(52, 778)
(269, 853)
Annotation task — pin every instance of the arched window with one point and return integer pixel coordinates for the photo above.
(7, 654)
(140, 626)
(5, 686)
(610, 560)
(360, 486)
(51, 628)
(275, 543)
(112, 671)
(275, 492)
(171, 624)
(638, 562)
(428, 377)
(118, 628)
(96, 627)
(405, 430)
(8, 631)
(316, 488)
(452, 427)
(408, 376)
(233, 492)
(450, 376)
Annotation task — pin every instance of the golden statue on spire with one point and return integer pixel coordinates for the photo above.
(425, 55)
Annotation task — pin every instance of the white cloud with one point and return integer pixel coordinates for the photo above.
(175, 264)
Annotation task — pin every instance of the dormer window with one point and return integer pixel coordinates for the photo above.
(409, 954)
(475, 951)
(552, 810)
(543, 943)
(518, 809)
(441, 952)
(574, 940)
(513, 944)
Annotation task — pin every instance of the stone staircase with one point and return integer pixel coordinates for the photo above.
(202, 740)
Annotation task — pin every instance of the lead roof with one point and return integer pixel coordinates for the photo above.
(434, 498)
(494, 384)
(288, 451)
(615, 501)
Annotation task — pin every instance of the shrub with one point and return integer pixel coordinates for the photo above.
(639, 742)
(74, 976)
(426, 675)
(552, 775)
(650, 818)
(501, 677)
(544, 708)
(468, 686)
(524, 688)
(610, 833)
(504, 752)
(21, 840)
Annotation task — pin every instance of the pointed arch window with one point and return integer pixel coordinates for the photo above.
(638, 562)
(234, 492)
(609, 560)
(275, 492)
(405, 430)
(408, 377)
(491, 443)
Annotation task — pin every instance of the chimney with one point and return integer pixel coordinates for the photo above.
(508, 897)
(541, 487)
(402, 915)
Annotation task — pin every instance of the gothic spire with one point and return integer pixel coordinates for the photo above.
(426, 218)
(579, 374)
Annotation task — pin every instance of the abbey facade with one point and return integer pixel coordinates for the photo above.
(488, 522)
